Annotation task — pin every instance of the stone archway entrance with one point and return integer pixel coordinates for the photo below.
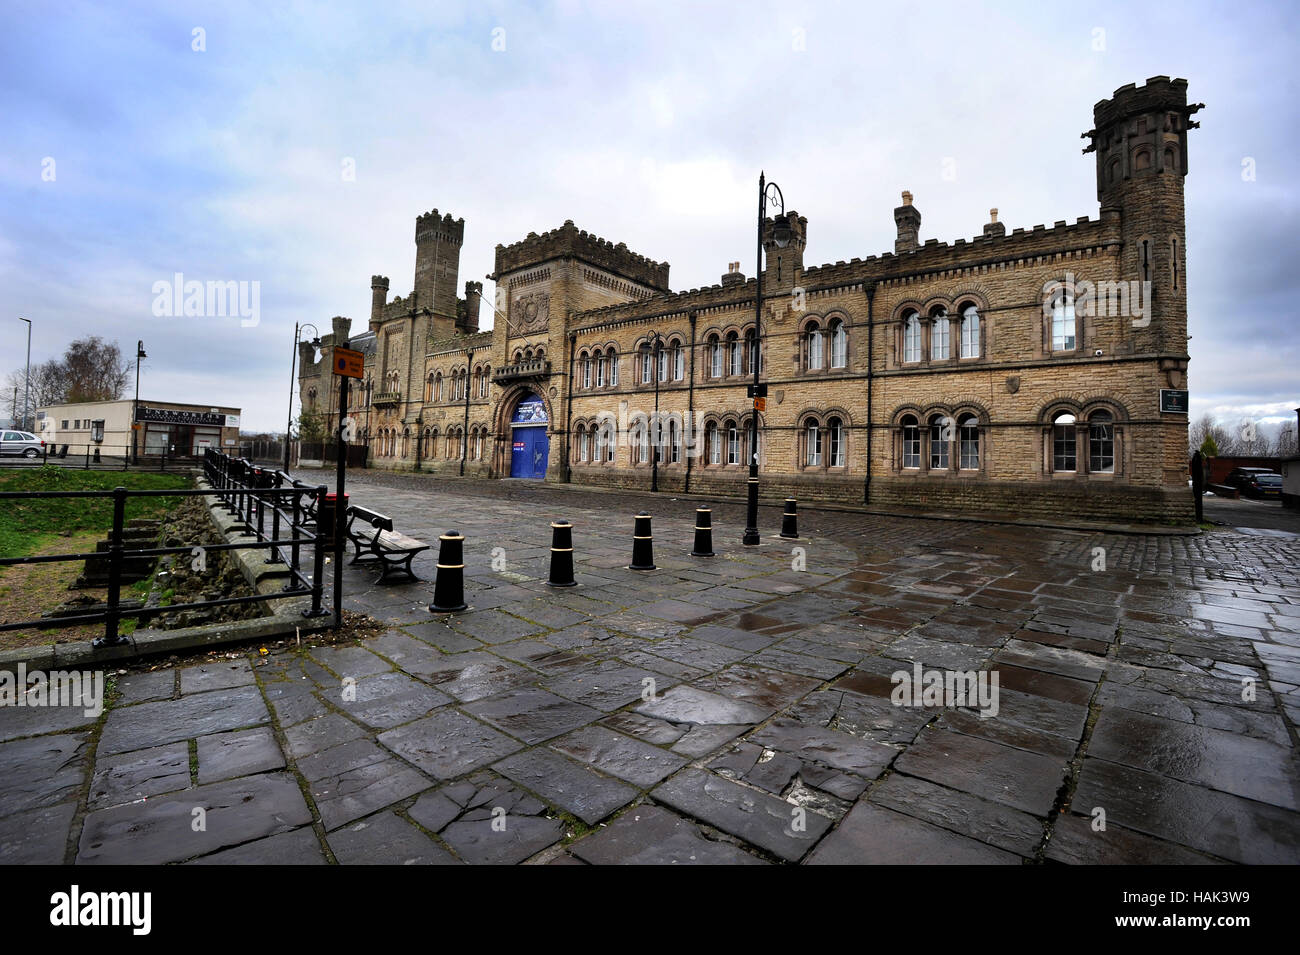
(529, 442)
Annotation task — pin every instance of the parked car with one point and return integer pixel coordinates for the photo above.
(21, 442)
(1256, 482)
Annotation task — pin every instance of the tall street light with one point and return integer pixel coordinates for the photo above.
(135, 407)
(781, 237)
(27, 375)
(293, 379)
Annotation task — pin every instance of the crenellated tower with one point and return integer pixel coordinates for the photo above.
(437, 266)
(1140, 138)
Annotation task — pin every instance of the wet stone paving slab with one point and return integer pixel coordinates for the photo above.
(894, 690)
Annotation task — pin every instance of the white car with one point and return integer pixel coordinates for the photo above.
(22, 443)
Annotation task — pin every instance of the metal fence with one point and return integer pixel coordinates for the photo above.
(266, 504)
(102, 457)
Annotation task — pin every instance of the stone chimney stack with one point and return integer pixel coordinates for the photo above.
(908, 219)
(473, 300)
(378, 298)
(993, 228)
(342, 328)
(733, 275)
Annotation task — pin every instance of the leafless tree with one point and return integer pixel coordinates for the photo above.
(95, 370)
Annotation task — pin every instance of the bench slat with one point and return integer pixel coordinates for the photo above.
(393, 540)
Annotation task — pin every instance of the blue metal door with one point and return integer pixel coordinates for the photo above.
(528, 453)
(529, 443)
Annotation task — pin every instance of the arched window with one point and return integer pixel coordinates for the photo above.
(733, 443)
(679, 361)
(674, 441)
(911, 434)
(483, 384)
(713, 443)
(835, 439)
(641, 439)
(406, 442)
(528, 354)
(736, 364)
(940, 436)
(541, 353)
(478, 444)
(912, 337)
(815, 348)
(812, 444)
(661, 360)
(753, 351)
(1063, 442)
(968, 436)
(613, 367)
(1063, 322)
(970, 332)
(428, 388)
(839, 344)
(432, 443)
(519, 356)
(600, 369)
(939, 334)
(647, 365)
(609, 432)
(437, 386)
(715, 357)
(1101, 443)
(584, 446)
(585, 364)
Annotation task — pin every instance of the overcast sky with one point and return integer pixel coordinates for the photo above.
(645, 123)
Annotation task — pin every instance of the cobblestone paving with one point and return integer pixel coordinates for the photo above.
(728, 710)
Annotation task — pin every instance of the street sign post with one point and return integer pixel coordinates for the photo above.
(349, 363)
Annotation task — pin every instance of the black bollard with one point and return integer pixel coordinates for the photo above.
(449, 586)
(790, 519)
(643, 555)
(703, 533)
(562, 555)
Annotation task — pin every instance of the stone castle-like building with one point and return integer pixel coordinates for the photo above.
(1012, 372)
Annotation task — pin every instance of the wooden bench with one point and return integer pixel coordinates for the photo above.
(392, 550)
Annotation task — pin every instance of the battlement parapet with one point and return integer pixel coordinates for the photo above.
(444, 229)
(568, 241)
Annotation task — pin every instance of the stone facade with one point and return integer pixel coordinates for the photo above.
(1012, 372)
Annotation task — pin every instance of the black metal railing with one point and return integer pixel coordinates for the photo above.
(96, 456)
(265, 503)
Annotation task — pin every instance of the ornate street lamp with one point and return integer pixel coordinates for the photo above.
(293, 379)
(781, 237)
(135, 408)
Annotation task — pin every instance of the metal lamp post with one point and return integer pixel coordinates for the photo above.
(27, 375)
(780, 236)
(135, 405)
(293, 380)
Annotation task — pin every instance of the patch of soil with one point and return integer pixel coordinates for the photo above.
(29, 590)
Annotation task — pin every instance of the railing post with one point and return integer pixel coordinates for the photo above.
(293, 529)
(112, 637)
(318, 570)
(262, 484)
(249, 482)
(276, 483)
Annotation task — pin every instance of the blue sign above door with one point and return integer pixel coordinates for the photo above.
(531, 410)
